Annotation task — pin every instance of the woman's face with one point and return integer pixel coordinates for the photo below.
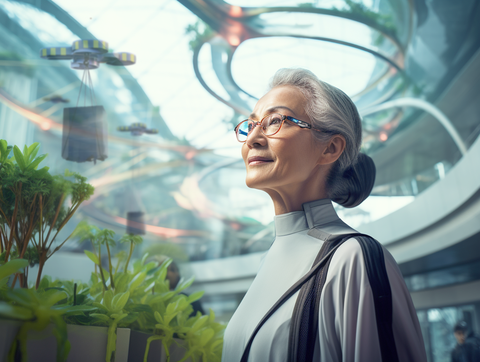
(287, 159)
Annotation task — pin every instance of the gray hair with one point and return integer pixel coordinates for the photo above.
(333, 112)
(328, 108)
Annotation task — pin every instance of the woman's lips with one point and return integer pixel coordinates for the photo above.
(258, 160)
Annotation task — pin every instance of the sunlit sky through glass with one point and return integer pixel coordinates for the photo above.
(155, 31)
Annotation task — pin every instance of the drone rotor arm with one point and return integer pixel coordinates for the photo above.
(57, 53)
(119, 59)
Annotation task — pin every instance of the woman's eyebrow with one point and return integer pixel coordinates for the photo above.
(273, 110)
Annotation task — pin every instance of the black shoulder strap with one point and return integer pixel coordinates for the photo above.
(304, 325)
(382, 296)
(291, 291)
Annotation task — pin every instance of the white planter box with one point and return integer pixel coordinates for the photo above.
(88, 344)
(8, 331)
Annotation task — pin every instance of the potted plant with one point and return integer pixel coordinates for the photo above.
(33, 210)
(33, 206)
(133, 295)
(138, 298)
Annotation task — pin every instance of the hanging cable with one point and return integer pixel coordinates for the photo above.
(81, 85)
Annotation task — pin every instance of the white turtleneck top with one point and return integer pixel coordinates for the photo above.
(347, 325)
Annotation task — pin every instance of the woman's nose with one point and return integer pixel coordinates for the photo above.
(256, 136)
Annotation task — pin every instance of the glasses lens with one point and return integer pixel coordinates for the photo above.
(242, 130)
(272, 124)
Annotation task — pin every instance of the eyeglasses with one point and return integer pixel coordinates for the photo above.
(270, 125)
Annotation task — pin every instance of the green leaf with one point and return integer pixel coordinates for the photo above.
(195, 296)
(9, 311)
(121, 282)
(25, 297)
(184, 285)
(211, 317)
(137, 280)
(119, 317)
(207, 335)
(33, 150)
(136, 307)
(107, 299)
(42, 172)
(171, 308)
(119, 301)
(158, 317)
(100, 317)
(44, 283)
(19, 158)
(199, 323)
(129, 238)
(100, 306)
(216, 343)
(36, 162)
(67, 309)
(3, 150)
(106, 236)
(129, 319)
(12, 267)
(52, 297)
(92, 257)
(144, 258)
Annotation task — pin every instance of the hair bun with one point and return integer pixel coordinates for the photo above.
(357, 182)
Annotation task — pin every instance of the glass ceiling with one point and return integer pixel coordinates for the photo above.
(189, 179)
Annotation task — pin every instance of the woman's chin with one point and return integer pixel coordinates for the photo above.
(253, 182)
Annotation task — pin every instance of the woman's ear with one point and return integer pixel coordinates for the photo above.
(333, 149)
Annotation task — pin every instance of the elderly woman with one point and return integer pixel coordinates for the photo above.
(301, 146)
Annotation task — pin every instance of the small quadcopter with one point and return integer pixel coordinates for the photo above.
(85, 128)
(88, 54)
(137, 129)
(56, 99)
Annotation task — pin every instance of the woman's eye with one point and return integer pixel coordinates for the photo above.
(275, 120)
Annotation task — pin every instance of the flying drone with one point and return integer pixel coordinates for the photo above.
(56, 99)
(85, 128)
(137, 129)
(88, 54)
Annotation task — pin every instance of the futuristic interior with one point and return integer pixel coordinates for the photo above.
(195, 69)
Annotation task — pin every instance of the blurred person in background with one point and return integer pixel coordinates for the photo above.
(468, 344)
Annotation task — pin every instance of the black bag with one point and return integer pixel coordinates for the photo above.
(304, 324)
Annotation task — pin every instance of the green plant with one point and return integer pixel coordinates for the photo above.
(204, 337)
(37, 309)
(200, 32)
(360, 11)
(32, 205)
(140, 298)
(132, 240)
(9, 268)
(131, 295)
